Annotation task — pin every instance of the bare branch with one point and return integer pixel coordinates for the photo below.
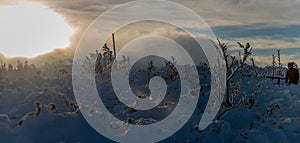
(231, 63)
(228, 109)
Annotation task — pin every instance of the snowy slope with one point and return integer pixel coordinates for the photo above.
(246, 123)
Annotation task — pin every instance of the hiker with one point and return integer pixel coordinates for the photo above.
(292, 74)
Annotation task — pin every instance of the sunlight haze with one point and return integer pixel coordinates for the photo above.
(30, 29)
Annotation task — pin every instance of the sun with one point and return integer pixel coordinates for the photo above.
(31, 29)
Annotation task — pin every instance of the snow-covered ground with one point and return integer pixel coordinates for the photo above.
(53, 113)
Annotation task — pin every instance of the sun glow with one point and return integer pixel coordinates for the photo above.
(31, 29)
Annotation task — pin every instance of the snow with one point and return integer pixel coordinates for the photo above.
(20, 90)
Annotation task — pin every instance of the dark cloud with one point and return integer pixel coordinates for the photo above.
(286, 32)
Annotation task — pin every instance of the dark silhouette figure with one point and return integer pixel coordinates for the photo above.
(292, 75)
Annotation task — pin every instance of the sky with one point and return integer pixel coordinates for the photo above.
(267, 25)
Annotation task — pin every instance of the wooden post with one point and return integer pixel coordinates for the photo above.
(114, 44)
(279, 60)
(273, 65)
(253, 63)
(279, 65)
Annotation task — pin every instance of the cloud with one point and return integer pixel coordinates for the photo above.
(215, 12)
(256, 30)
(239, 12)
(137, 30)
(267, 60)
(265, 42)
(266, 24)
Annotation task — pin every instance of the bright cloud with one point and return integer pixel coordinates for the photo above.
(266, 24)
